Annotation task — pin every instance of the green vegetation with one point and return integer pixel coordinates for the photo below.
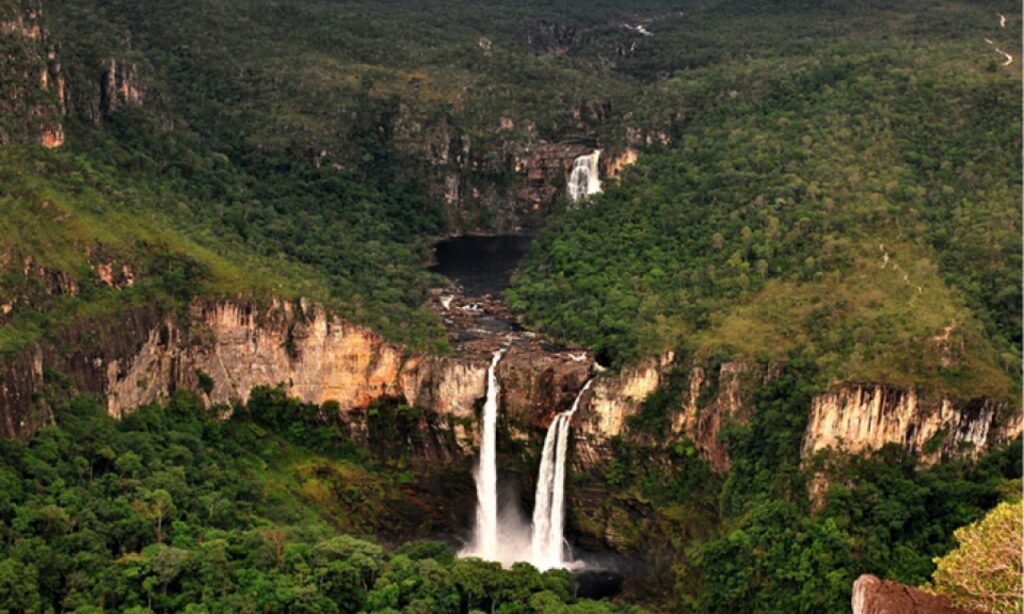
(854, 203)
(830, 187)
(172, 510)
(775, 536)
(985, 570)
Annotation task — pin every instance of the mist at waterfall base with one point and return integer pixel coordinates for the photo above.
(501, 533)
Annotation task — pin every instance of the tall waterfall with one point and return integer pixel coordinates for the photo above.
(485, 536)
(584, 179)
(547, 543)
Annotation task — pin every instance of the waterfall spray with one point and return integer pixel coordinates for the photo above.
(547, 544)
(486, 534)
(584, 178)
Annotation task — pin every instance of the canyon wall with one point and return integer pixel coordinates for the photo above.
(32, 87)
(509, 180)
(704, 406)
(855, 419)
(37, 92)
(859, 419)
(143, 356)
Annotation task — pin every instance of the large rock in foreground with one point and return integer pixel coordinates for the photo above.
(872, 595)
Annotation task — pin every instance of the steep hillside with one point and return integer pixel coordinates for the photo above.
(789, 325)
(858, 205)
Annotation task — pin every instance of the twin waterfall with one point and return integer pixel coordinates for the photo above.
(505, 539)
(584, 179)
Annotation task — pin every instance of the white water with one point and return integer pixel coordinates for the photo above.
(584, 179)
(485, 535)
(502, 535)
(547, 546)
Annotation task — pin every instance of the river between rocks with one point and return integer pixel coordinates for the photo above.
(480, 269)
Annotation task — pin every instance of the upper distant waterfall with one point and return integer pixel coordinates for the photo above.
(486, 534)
(547, 543)
(584, 179)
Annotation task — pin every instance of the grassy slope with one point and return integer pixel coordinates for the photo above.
(766, 227)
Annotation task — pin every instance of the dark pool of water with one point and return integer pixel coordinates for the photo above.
(481, 265)
(597, 583)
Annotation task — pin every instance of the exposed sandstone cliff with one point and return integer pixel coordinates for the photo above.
(603, 415)
(704, 407)
(860, 419)
(120, 85)
(854, 419)
(143, 356)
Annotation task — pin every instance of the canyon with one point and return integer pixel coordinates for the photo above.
(143, 356)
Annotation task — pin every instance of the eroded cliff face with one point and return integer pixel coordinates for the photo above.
(708, 406)
(703, 408)
(851, 419)
(316, 357)
(37, 92)
(860, 419)
(143, 357)
(506, 183)
(602, 415)
(32, 87)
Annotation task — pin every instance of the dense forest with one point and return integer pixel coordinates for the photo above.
(827, 191)
(281, 508)
(174, 510)
(849, 204)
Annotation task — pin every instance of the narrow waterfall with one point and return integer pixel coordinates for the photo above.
(584, 179)
(485, 535)
(547, 543)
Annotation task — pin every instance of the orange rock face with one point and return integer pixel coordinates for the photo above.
(872, 595)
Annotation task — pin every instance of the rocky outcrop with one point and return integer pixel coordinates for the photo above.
(554, 38)
(855, 419)
(142, 357)
(32, 286)
(32, 87)
(617, 163)
(120, 85)
(872, 595)
(21, 380)
(603, 415)
(707, 406)
(315, 356)
(536, 385)
(35, 95)
(861, 419)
